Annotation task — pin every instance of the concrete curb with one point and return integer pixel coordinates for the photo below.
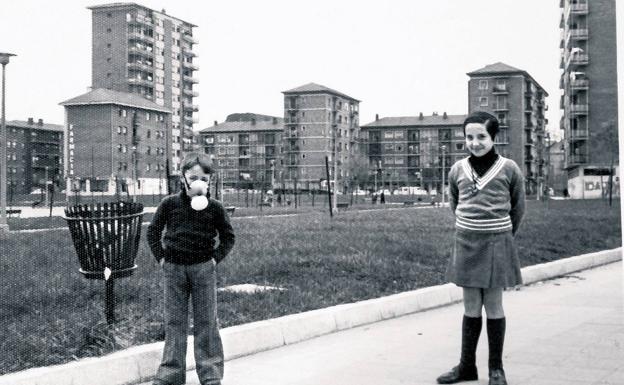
(138, 364)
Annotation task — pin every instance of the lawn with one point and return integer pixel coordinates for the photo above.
(53, 315)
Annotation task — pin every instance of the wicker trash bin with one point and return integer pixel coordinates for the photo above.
(106, 238)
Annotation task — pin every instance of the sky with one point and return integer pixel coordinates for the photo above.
(398, 57)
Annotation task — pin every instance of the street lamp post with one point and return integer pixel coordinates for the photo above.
(4, 227)
(443, 172)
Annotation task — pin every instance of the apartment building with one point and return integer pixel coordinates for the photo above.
(589, 92)
(412, 150)
(247, 149)
(149, 53)
(518, 101)
(319, 122)
(34, 155)
(115, 142)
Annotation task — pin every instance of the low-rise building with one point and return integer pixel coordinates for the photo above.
(116, 142)
(412, 150)
(247, 149)
(34, 155)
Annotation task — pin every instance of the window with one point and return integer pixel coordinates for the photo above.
(388, 135)
(459, 146)
(148, 134)
(483, 101)
(147, 167)
(398, 134)
(149, 150)
(119, 130)
(108, 30)
(483, 84)
(147, 116)
(123, 113)
(124, 130)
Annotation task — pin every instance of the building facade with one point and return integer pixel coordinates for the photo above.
(247, 149)
(116, 143)
(34, 155)
(412, 150)
(319, 122)
(518, 102)
(556, 174)
(589, 90)
(149, 53)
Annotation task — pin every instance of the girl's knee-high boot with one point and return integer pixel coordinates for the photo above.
(496, 340)
(467, 369)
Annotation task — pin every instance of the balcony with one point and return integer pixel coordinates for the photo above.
(142, 20)
(191, 106)
(500, 90)
(140, 36)
(141, 66)
(141, 82)
(501, 108)
(562, 38)
(190, 79)
(577, 159)
(579, 84)
(578, 59)
(579, 109)
(189, 53)
(190, 92)
(143, 51)
(579, 9)
(578, 34)
(291, 120)
(189, 38)
(578, 134)
(191, 119)
(529, 142)
(190, 66)
(291, 107)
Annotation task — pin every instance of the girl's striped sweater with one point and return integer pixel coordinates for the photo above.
(492, 203)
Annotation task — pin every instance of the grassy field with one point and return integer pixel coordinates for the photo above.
(53, 315)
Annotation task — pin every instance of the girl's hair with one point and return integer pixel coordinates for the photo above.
(487, 119)
(195, 158)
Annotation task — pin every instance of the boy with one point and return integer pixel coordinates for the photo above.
(191, 221)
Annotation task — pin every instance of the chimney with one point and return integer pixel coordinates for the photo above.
(216, 123)
(376, 117)
(253, 121)
(30, 120)
(445, 116)
(420, 116)
(435, 113)
(40, 122)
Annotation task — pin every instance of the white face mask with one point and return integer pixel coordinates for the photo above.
(197, 191)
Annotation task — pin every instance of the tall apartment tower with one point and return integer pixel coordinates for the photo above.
(589, 90)
(318, 122)
(150, 53)
(518, 101)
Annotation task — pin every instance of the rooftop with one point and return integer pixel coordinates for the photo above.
(106, 96)
(135, 5)
(500, 68)
(246, 122)
(409, 121)
(313, 88)
(39, 125)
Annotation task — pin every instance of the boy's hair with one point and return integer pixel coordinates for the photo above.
(487, 119)
(195, 158)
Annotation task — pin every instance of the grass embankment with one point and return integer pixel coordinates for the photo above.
(50, 314)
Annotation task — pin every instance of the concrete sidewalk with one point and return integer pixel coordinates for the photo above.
(564, 331)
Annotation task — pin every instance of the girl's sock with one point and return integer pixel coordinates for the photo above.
(496, 339)
(471, 329)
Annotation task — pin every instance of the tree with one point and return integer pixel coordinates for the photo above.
(359, 170)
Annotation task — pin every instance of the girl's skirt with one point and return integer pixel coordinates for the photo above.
(484, 260)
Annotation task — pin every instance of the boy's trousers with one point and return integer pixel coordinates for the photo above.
(199, 282)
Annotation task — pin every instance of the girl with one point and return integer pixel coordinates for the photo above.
(487, 198)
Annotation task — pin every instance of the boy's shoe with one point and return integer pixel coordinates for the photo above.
(459, 374)
(497, 377)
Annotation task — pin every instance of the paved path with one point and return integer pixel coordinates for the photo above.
(564, 331)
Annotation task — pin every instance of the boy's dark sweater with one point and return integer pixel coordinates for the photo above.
(189, 235)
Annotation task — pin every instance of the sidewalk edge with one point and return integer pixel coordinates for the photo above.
(139, 364)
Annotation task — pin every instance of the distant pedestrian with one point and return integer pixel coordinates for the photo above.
(487, 197)
(374, 198)
(382, 198)
(191, 220)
